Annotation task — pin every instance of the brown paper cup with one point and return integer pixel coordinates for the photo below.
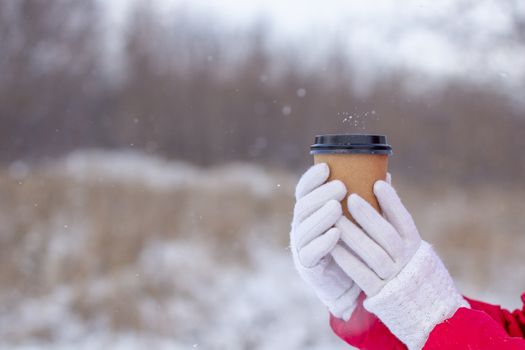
(358, 172)
(357, 161)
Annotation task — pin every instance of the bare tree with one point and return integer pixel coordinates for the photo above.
(48, 72)
(192, 90)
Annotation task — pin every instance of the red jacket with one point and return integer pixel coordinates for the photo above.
(483, 327)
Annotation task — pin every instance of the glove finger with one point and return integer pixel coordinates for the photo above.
(358, 271)
(317, 198)
(327, 279)
(313, 252)
(314, 177)
(366, 249)
(389, 178)
(376, 226)
(317, 223)
(395, 211)
(344, 306)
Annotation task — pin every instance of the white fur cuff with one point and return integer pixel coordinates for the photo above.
(420, 297)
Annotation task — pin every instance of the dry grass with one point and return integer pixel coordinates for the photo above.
(61, 230)
(480, 234)
(105, 240)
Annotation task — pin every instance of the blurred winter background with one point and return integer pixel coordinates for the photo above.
(149, 151)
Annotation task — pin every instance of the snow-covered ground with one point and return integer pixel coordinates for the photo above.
(82, 281)
(118, 250)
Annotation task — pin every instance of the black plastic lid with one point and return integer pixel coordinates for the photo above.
(351, 143)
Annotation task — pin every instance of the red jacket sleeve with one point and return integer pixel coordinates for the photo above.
(484, 327)
(513, 323)
(365, 331)
(472, 329)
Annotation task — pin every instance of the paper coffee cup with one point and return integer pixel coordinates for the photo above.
(355, 159)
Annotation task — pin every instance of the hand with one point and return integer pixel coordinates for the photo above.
(407, 286)
(382, 246)
(313, 237)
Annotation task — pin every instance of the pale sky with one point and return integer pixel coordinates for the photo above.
(380, 34)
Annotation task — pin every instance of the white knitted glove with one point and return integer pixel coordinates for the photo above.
(313, 237)
(406, 284)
